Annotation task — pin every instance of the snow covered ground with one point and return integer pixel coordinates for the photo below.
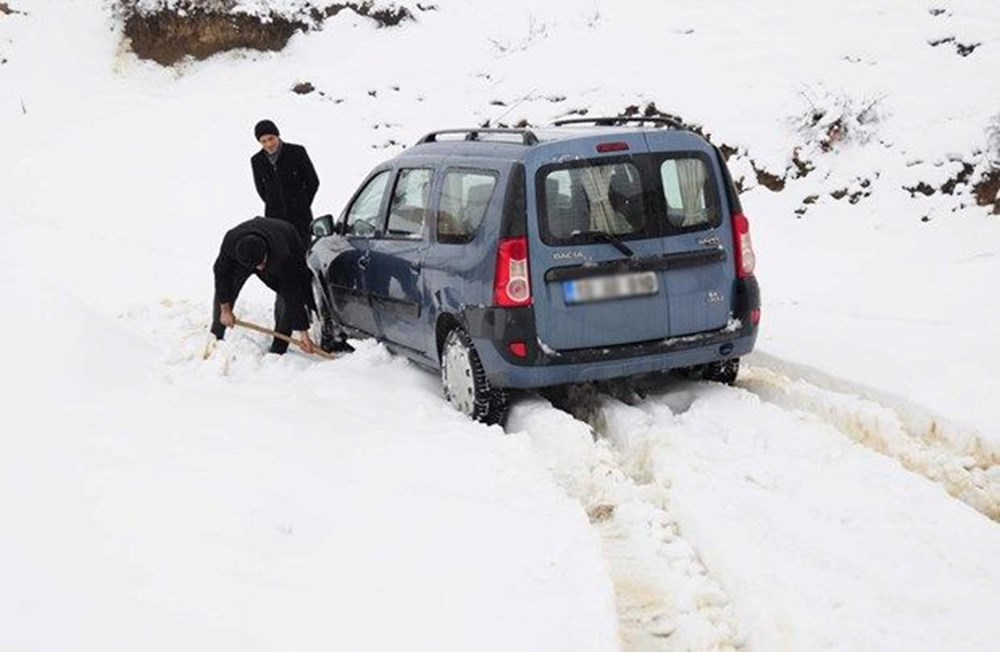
(160, 493)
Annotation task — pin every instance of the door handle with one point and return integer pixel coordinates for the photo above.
(416, 267)
(363, 262)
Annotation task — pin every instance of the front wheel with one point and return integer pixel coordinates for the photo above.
(464, 381)
(331, 338)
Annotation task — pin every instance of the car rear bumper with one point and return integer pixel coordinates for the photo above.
(493, 330)
(501, 373)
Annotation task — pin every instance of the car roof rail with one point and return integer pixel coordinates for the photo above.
(615, 121)
(528, 137)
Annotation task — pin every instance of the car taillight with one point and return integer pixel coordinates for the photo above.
(520, 349)
(511, 286)
(745, 259)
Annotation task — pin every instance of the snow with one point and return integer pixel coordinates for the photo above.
(821, 544)
(159, 491)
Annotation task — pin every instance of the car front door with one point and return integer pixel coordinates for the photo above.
(395, 279)
(347, 273)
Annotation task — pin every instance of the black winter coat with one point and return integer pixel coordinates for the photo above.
(288, 187)
(285, 271)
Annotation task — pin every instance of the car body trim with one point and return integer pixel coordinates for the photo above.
(647, 264)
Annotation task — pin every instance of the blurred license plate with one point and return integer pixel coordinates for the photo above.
(602, 288)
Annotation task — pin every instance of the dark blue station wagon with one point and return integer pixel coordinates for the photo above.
(515, 258)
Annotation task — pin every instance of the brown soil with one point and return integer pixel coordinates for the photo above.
(986, 191)
(770, 181)
(384, 17)
(166, 38)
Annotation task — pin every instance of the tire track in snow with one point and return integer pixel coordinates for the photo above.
(965, 467)
(666, 598)
(817, 540)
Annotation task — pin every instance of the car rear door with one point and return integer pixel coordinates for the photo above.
(595, 254)
(696, 233)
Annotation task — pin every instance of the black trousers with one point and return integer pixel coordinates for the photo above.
(282, 324)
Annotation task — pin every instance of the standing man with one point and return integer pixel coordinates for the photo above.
(285, 179)
(273, 251)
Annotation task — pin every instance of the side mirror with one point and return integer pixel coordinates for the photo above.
(322, 226)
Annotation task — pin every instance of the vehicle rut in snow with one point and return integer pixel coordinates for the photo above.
(666, 597)
(964, 466)
(799, 536)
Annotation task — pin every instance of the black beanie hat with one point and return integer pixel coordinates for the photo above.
(251, 250)
(265, 127)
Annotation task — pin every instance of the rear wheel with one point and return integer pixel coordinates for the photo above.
(464, 381)
(723, 371)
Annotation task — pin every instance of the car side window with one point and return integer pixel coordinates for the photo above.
(465, 195)
(688, 193)
(363, 217)
(410, 202)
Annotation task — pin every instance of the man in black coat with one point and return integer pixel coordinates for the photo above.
(285, 178)
(273, 251)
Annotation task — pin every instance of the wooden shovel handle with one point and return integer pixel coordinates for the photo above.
(291, 340)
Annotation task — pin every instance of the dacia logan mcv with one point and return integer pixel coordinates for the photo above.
(517, 258)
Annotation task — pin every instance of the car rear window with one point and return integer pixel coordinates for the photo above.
(465, 196)
(590, 198)
(632, 197)
(687, 193)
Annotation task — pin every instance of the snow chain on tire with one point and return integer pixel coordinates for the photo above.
(327, 331)
(464, 381)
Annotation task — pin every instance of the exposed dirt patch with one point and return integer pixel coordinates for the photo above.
(922, 188)
(601, 512)
(987, 191)
(166, 37)
(770, 181)
(303, 88)
(963, 49)
(385, 17)
(961, 178)
(802, 167)
(7, 10)
(199, 28)
(984, 190)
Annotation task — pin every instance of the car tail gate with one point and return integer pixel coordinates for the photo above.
(628, 245)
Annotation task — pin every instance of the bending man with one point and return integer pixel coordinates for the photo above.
(273, 251)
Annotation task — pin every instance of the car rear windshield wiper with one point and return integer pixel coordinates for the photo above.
(604, 236)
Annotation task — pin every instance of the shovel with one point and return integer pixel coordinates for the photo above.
(291, 340)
